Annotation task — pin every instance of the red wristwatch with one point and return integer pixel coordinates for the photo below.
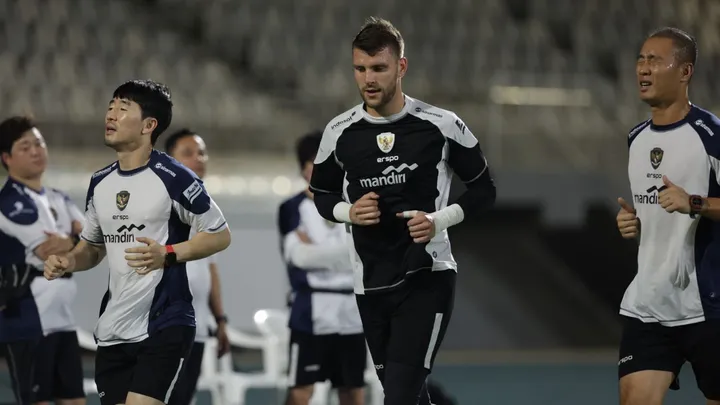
(170, 256)
(696, 205)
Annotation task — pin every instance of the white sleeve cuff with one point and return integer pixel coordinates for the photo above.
(341, 212)
(447, 217)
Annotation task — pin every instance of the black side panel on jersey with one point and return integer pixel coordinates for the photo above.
(398, 161)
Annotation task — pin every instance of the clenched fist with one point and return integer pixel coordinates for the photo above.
(365, 211)
(627, 220)
(57, 266)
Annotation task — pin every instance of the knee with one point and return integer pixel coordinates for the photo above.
(299, 395)
(403, 384)
(642, 389)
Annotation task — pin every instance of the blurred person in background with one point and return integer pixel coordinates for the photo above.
(203, 275)
(37, 327)
(326, 335)
(140, 210)
(671, 309)
(384, 167)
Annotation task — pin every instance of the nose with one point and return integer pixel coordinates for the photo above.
(643, 68)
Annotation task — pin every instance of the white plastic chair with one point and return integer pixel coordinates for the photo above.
(209, 379)
(236, 384)
(87, 341)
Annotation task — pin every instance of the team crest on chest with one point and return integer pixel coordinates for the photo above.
(386, 141)
(121, 199)
(656, 157)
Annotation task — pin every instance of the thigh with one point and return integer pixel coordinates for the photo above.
(420, 320)
(649, 346)
(187, 382)
(307, 355)
(160, 360)
(349, 358)
(375, 313)
(114, 367)
(68, 368)
(20, 357)
(46, 360)
(702, 348)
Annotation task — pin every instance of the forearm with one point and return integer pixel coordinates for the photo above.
(318, 257)
(332, 207)
(479, 197)
(86, 256)
(711, 208)
(202, 245)
(215, 294)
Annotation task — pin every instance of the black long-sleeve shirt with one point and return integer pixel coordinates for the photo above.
(407, 159)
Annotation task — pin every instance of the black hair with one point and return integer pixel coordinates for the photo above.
(11, 130)
(307, 147)
(175, 137)
(377, 34)
(686, 50)
(154, 101)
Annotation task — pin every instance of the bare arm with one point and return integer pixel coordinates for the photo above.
(85, 256)
(202, 245)
(215, 292)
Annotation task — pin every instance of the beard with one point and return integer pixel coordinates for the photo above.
(387, 94)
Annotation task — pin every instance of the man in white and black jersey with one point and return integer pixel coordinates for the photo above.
(139, 211)
(203, 276)
(37, 326)
(326, 333)
(671, 309)
(384, 168)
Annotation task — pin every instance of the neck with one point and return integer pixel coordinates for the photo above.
(33, 183)
(671, 113)
(130, 160)
(396, 104)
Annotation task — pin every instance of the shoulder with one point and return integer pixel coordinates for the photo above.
(637, 130)
(449, 124)
(16, 205)
(59, 194)
(341, 122)
(705, 122)
(289, 212)
(101, 174)
(707, 127)
(177, 178)
(293, 203)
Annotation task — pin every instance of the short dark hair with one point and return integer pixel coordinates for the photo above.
(307, 147)
(175, 137)
(377, 34)
(686, 50)
(154, 101)
(11, 130)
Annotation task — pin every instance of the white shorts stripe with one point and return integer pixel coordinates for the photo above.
(433, 340)
(174, 380)
(292, 367)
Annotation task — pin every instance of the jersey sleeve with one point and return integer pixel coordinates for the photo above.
(194, 205)
(327, 177)
(20, 219)
(464, 154)
(467, 160)
(288, 222)
(91, 232)
(75, 213)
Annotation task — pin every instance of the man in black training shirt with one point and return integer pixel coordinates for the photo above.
(385, 167)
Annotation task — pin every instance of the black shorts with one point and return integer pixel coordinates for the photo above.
(407, 325)
(652, 346)
(186, 386)
(149, 368)
(20, 358)
(315, 358)
(58, 368)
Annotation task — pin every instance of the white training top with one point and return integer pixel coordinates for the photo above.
(678, 279)
(25, 217)
(161, 201)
